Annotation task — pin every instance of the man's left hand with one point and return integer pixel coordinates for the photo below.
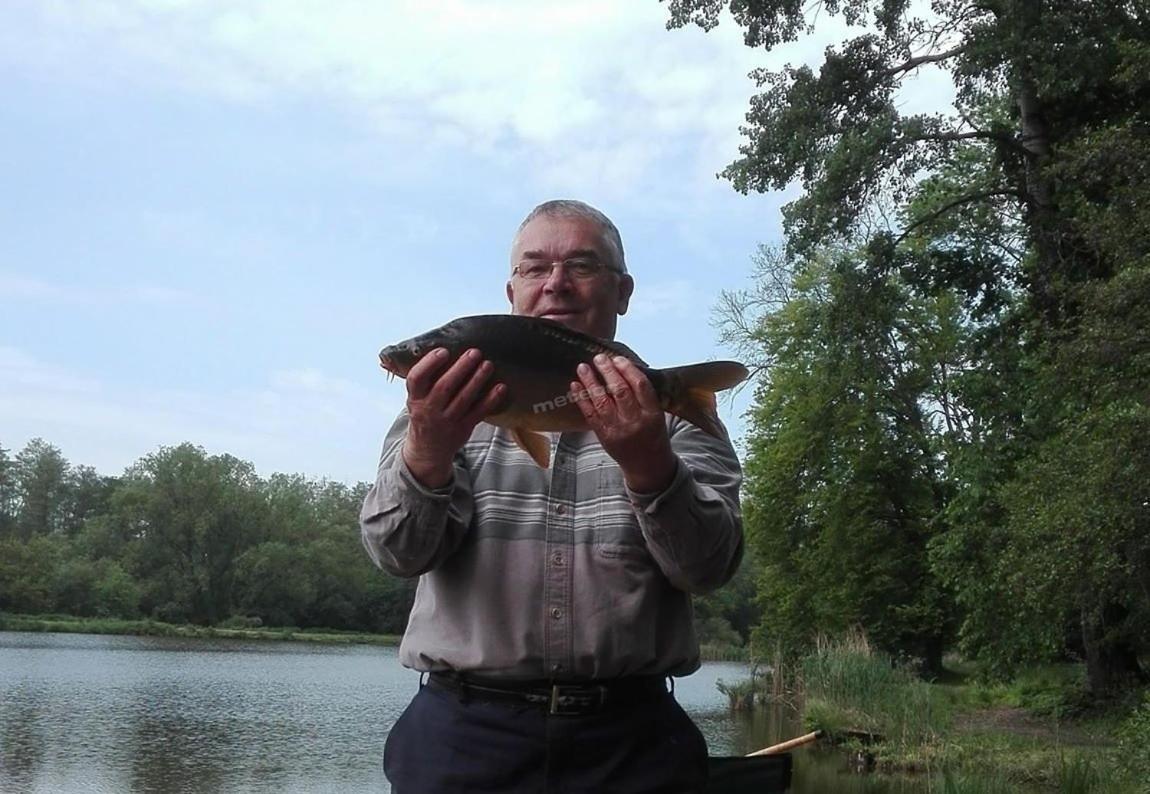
(624, 412)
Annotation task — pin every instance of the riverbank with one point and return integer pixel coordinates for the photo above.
(153, 628)
(1039, 732)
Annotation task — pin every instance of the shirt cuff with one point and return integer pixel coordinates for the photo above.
(650, 502)
(431, 493)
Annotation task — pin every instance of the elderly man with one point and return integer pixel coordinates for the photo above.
(553, 604)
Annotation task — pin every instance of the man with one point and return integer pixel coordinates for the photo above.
(552, 605)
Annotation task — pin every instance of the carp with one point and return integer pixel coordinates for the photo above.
(537, 358)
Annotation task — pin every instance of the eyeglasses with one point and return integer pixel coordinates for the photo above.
(579, 267)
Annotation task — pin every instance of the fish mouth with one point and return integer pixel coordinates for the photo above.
(391, 366)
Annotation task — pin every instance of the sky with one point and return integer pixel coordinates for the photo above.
(216, 212)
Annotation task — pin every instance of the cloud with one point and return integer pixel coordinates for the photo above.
(19, 371)
(304, 420)
(596, 95)
(548, 77)
(27, 289)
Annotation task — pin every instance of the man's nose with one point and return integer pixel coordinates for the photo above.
(559, 279)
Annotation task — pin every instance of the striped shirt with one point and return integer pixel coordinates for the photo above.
(560, 573)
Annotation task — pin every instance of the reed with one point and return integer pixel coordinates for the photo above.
(847, 683)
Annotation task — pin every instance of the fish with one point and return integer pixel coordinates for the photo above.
(537, 359)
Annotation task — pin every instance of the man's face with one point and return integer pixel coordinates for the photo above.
(590, 305)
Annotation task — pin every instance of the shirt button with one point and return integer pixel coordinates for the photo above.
(557, 668)
(557, 558)
(556, 613)
(560, 509)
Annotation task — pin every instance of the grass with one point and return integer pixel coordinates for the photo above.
(1038, 732)
(712, 652)
(847, 684)
(154, 628)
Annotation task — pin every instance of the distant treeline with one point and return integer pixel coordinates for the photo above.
(187, 537)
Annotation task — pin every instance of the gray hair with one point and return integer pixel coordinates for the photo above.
(570, 208)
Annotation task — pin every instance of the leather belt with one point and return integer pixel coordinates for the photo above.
(568, 699)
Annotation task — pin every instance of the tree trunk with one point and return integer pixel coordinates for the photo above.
(1111, 661)
(1042, 214)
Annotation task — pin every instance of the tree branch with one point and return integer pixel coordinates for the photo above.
(986, 135)
(958, 202)
(918, 61)
(960, 136)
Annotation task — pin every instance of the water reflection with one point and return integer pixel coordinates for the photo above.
(118, 714)
(141, 714)
(81, 713)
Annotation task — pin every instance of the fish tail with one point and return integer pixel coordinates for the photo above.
(694, 392)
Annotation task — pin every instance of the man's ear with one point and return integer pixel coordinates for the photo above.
(626, 287)
(510, 293)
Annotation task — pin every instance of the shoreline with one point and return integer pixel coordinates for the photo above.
(64, 624)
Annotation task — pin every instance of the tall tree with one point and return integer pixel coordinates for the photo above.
(193, 515)
(1028, 199)
(42, 473)
(8, 494)
(86, 494)
(842, 484)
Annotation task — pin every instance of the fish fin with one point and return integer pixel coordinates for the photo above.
(699, 382)
(534, 444)
(710, 375)
(698, 408)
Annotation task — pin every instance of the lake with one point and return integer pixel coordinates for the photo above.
(89, 713)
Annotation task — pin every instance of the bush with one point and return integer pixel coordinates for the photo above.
(1134, 742)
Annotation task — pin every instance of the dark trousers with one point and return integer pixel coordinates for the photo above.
(443, 743)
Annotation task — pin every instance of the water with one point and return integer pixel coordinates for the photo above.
(87, 713)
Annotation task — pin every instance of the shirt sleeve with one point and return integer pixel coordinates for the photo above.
(407, 528)
(694, 527)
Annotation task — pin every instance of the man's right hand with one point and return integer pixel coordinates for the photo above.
(444, 404)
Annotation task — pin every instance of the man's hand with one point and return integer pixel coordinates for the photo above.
(625, 414)
(444, 405)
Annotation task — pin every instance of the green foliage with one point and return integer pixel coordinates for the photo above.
(1007, 268)
(8, 494)
(191, 514)
(186, 536)
(42, 473)
(952, 782)
(724, 617)
(26, 573)
(1134, 742)
(842, 487)
(116, 593)
(1077, 776)
(849, 685)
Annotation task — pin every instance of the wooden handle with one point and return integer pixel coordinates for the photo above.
(789, 744)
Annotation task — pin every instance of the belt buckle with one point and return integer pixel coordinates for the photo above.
(574, 704)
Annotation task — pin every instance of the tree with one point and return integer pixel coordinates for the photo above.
(42, 473)
(192, 515)
(86, 494)
(26, 573)
(842, 485)
(1028, 201)
(8, 494)
(1029, 76)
